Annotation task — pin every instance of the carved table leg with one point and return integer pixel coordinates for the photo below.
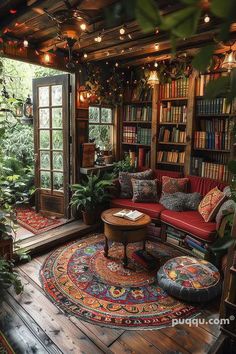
(125, 259)
(106, 249)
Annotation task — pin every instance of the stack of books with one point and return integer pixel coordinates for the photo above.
(171, 156)
(146, 259)
(129, 134)
(137, 113)
(175, 89)
(153, 230)
(173, 114)
(144, 156)
(174, 135)
(174, 236)
(197, 247)
(144, 136)
(203, 80)
(212, 140)
(213, 106)
(208, 169)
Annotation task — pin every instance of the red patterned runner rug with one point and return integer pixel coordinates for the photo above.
(36, 222)
(82, 282)
(5, 347)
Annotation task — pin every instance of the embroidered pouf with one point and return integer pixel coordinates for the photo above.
(190, 279)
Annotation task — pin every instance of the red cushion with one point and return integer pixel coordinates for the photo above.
(151, 209)
(203, 185)
(191, 222)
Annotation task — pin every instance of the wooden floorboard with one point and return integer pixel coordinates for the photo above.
(33, 324)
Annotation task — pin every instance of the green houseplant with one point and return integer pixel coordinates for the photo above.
(91, 195)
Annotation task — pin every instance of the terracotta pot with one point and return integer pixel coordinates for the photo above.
(89, 218)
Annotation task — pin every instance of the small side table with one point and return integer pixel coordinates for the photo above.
(124, 231)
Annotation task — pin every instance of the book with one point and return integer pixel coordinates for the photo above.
(132, 215)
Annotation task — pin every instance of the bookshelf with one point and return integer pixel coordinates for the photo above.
(172, 125)
(212, 137)
(186, 132)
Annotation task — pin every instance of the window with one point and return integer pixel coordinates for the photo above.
(101, 126)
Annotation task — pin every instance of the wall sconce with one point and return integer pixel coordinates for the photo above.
(229, 61)
(19, 109)
(28, 108)
(153, 79)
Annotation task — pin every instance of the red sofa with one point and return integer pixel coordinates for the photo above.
(190, 222)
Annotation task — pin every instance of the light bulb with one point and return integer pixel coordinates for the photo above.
(156, 64)
(116, 64)
(47, 58)
(83, 26)
(26, 43)
(85, 55)
(206, 19)
(129, 35)
(98, 39)
(156, 46)
(122, 30)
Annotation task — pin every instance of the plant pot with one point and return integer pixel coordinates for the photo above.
(89, 217)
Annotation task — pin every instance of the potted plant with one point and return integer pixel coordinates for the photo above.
(91, 195)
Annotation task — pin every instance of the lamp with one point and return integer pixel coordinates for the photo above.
(28, 108)
(19, 110)
(229, 61)
(153, 78)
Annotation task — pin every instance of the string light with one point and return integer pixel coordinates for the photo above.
(85, 55)
(156, 64)
(116, 64)
(156, 46)
(206, 18)
(83, 26)
(122, 38)
(46, 58)
(129, 35)
(122, 30)
(157, 31)
(25, 43)
(98, 38)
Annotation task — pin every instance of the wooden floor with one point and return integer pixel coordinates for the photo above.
(33, 324)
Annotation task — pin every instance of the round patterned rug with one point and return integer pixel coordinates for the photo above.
(84, 283)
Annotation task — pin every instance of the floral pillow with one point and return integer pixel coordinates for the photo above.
(125, 181)
(173, 185)
(211, 203)
(145, 190)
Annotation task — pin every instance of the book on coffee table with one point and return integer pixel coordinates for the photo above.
(132, 215)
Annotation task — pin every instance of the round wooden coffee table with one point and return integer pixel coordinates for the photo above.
(123, 230)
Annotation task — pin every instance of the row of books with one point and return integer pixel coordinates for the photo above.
(173, 114)
(210, 170)
(137, 113)
(203, 80)
(173, 156)
(209, 140)
(138, 93)
(175, 89)
(140, 158)
(174, 135)
(213, 106)
(215, 125)
(137, 135)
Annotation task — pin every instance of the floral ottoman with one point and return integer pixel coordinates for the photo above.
(190, 279)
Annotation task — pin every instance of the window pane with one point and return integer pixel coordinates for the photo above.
(44, 118)
(106, 115)
(58, 180)
(57, 117)
(44, 138)
(57, 161)
(45, 179)
(102, 135)
(57, 95)
(45, 160)
(44, 96)
(94, 114)
(57, 139)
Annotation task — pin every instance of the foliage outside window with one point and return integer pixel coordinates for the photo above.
(101, 126)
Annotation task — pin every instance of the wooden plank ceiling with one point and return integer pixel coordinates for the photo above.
(29, 19)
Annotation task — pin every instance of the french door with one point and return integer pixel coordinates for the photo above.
(51, 133)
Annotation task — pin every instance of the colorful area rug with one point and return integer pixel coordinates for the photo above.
(36, 222)
(5, 347)
(84, 283)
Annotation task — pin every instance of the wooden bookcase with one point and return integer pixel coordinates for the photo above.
(177, 134)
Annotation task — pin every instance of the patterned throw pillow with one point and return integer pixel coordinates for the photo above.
(211, 203)
(125, 181)
(173, 185)
(145, 190)
(181, 201)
